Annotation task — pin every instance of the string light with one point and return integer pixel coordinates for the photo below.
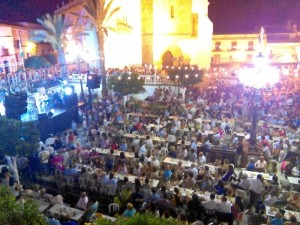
(176, 76)
(186, 76)
(168, 77)
(119, 78)
(196, 75)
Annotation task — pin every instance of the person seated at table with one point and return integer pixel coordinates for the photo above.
(201, 158)
(147, 169)
(194, 208)
(251, 165)
(189, 182)
(172, 152)
(271, 198)
(224, 206)
(112, 181)
(148, 143)
(206, 184)
(90, 211)
(67, 220)
(137, 199)
(261, 165)
(218, 160)
(130, 211)
(229, 173)
(219, 188)
(123, 146)
(192, 156)
(123, 169)
(167, 173)
(143, 150)
(182, 153)
(177, 201)
(296, 170)
(83, 201)
(182, 219)
(292, 221)
(294, 202)
(278, 220)
(211, 203)
(52, 221)
(136, 142)
(272, 167)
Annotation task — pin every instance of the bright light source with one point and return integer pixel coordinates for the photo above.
(119, 78)
(139, 77)
(65, 82)
(129, 78)
(68, 90)
(90, 77)
(196, 75)
(157, 77)
(52, 110)
(49, 75)
(186, 76)
(70, 76)
(168, 77)
(176, 76)
(262, 78)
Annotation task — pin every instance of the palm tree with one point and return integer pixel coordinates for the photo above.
(58, 30)
(100, 12)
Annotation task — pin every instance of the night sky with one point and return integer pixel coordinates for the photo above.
(228, 16)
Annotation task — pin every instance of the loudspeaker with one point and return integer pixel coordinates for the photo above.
(42, 116)
(15, 105)
(6, 67)
(71, 100)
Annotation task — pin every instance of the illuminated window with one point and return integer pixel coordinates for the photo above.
(233, 45)
(250, 46)
(172, 11)
(218, 46)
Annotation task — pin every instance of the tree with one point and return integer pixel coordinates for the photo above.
(17, 139)
(58, 30)
(36, 62)
(126, 84)
(101, 14)
(185, 75)
(137, 219)
(51, 58)
(17, 213)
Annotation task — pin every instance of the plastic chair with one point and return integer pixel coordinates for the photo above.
(113, 208)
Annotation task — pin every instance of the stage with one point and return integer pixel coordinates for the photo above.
(57, 122)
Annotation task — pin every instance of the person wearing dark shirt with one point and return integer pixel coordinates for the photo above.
(137, 199)
(67, 221)
(219, 188)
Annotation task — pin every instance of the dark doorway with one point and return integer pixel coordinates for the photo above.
(167, 59)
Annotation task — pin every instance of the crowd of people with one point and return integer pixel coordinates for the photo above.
(185, 127)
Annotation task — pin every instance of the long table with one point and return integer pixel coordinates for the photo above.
(63, 210)
(253, 174)
(156, 139)
(42, 204)
(287, 214)
(187, 164)
(294, 180)
(131, 178)
(116, 152)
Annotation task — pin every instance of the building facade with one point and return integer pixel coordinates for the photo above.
(15, 45)
(164, 32)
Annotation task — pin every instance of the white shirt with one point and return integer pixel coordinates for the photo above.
(210, 204)
(82, 202)
(202, 159)
(245, 184)
(224, 207)
(260, 164)
(256, 185)
(270, 200)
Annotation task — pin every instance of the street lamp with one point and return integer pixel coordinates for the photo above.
(261, 76)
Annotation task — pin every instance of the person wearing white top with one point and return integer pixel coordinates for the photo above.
(83, 201)
(201, 158)
(261, 164)
(211, 203)
(271, 199)
(224, 206)
(256, 188)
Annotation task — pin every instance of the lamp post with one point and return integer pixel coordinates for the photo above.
(259, 77)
